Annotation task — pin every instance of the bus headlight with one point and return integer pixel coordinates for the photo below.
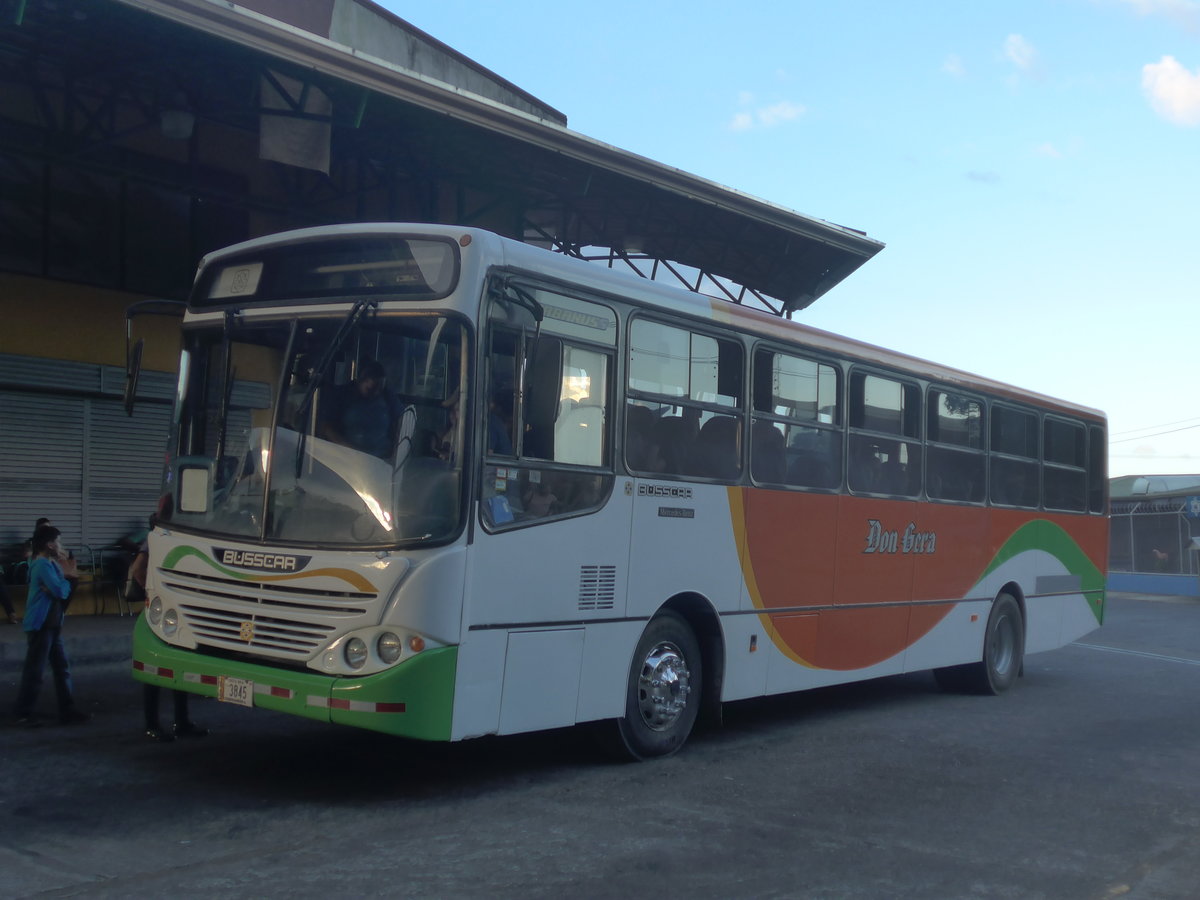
(170, 621)
(356, 653)
(389, 647)
(156, 610)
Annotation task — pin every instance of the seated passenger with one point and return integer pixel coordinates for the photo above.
(362, 414)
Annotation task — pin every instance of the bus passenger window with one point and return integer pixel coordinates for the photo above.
(1014, 445)
(956, 463)
(1097, 471)
(882, 410)
(691, 386)
(1064, 475)
(796, 436)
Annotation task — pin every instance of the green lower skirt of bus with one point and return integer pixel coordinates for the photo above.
(413, 699)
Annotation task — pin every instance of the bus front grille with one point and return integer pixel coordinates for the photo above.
(263, 619)
(255, 633)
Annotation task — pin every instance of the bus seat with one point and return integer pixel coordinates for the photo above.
(673, 436)
(717, 449)
(641, 450)
(768, 461)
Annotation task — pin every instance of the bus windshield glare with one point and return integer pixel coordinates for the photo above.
(339, 430)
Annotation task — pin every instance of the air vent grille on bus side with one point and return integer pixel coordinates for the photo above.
(597, 587)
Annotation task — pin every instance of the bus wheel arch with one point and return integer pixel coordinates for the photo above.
(1002, 654)
(706, 624)
(668, 680)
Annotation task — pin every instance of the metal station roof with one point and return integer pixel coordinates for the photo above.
(92, 81)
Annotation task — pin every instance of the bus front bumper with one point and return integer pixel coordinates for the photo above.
(413, 699)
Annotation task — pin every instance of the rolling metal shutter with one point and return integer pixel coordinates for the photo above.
(69, 452)
(41, 466)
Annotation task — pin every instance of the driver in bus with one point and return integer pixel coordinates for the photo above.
(362, 414)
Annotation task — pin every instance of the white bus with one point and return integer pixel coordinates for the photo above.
(429, 481)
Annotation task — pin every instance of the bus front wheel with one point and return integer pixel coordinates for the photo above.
(663, 694)
(1003, 654)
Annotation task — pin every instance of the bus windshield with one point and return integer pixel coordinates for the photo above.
(341, 430)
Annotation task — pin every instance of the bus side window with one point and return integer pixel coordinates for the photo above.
(883, 412)
(955, 461)
(1014, 445)
(1097, 472)
(692, 383)
(1064, 474)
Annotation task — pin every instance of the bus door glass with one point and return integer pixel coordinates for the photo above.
(549, 405)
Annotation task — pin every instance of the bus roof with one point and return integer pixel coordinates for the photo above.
(672, 298)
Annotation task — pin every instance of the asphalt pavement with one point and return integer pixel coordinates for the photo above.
(89, 639)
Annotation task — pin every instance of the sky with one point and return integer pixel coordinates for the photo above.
(1033, 167)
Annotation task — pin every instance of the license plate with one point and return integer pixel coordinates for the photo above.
(235, 690)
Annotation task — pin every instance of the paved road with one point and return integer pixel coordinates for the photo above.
(1082, 782)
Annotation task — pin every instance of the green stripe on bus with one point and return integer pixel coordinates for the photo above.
(1044, 535)
(423, 686)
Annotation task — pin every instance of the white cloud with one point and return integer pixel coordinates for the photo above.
(1020, 52)
(784, 111)
(954, 66)
(742, 121)
(763, 116)
(1048, 150)
(1173, 91)
(1183, 12)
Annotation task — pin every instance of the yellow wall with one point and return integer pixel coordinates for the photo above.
(56, 320)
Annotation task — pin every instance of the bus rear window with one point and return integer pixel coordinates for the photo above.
(345, 266)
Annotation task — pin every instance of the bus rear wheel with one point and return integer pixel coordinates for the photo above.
(663, 694)
(1003, 654)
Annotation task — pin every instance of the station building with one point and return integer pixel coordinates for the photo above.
(137, 135)
(1155, 534)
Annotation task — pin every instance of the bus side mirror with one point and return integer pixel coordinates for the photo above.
(193, 484)
(133, 368)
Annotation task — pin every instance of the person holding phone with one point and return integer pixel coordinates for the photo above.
(51, 577)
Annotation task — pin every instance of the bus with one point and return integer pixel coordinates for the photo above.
(441, 484)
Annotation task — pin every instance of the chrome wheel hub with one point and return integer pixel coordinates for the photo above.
(663, 686)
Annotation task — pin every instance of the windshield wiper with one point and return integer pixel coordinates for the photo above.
(357, 311)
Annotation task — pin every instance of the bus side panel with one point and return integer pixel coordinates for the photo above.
(534, 597)
(682, 541)
(607, 657)
(952, 561)
(791, 539)
(541, 679)
(748, 652)
(478, 686)
(546, 573)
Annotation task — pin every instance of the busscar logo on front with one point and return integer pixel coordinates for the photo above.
(259, 561)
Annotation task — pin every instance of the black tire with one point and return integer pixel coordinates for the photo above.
(1003, 654)
(663, 694)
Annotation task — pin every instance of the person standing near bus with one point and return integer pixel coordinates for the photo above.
(51, 578)
(184, 726)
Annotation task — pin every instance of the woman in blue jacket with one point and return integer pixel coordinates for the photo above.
(50, 583)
